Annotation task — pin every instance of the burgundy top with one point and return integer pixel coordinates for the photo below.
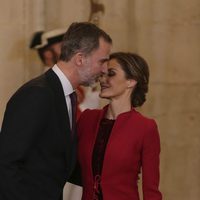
(102, 138)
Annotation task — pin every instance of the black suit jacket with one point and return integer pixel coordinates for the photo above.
(37, 151)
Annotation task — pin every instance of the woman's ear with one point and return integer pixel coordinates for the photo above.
(131, 83)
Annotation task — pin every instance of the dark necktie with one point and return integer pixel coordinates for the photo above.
(73, 98)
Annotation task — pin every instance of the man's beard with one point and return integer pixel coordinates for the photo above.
(89, 82)
(86, 79)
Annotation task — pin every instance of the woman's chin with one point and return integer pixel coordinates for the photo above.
(103, 95)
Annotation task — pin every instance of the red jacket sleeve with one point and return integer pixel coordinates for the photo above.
(150, 163)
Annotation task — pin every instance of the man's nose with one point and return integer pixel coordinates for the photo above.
(104, 69)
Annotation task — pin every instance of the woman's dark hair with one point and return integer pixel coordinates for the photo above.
(82, 37)
(135, 67)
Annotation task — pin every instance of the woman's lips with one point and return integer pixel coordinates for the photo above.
(103, 87)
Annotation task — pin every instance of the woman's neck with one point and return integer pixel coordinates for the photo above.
(117, 107)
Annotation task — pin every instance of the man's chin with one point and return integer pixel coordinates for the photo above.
(85, 84)
(89, 83)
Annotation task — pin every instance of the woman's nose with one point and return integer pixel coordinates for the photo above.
(103, 78)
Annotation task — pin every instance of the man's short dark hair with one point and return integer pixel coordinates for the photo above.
(82, 37)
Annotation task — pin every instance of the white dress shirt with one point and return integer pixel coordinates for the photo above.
(67, 88)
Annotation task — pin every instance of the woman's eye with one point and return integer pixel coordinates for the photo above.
(111, 73)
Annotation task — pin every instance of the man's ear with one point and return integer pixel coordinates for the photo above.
(79, 58)
(131, 83)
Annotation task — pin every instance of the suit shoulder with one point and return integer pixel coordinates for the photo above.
(39, 81)
(35, 88)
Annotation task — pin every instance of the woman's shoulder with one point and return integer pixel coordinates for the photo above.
(146, 126)
(91, 111)
(90, 114)
(148, 121)
(99, 112)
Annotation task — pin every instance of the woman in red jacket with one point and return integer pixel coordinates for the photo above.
(117, 142)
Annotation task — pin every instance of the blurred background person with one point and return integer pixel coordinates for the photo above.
(48, 46)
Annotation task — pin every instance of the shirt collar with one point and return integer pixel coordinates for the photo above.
(67, 86)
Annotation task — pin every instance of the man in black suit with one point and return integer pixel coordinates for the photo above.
(37, 140)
